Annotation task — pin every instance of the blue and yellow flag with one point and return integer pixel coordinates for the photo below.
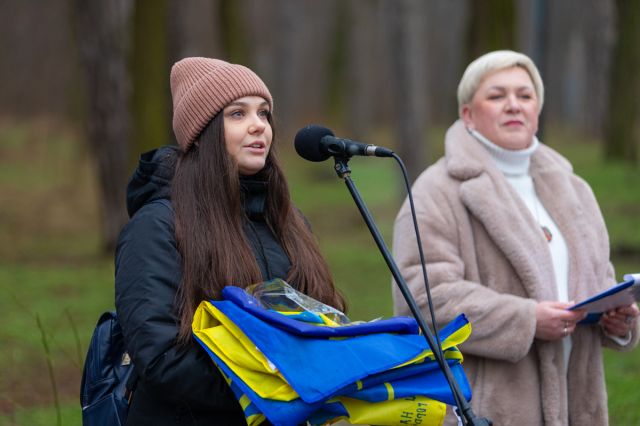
(285, 370)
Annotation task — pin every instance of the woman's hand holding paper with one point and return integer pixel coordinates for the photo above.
(621, 320)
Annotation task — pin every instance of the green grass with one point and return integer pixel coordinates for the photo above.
(49, 267)
(50, 264)
(44, 415)
(623, 376)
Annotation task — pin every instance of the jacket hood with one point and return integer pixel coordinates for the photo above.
(152, 178)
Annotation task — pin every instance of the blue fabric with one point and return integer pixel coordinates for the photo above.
(453, 326)
(421, 379)
(329, 365)
(358, 366)
(278, 412)
(329, 411)
(428, 381)
(401, 325)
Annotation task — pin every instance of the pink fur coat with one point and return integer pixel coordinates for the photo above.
(487, 257)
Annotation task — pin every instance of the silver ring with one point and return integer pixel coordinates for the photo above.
(565, 332)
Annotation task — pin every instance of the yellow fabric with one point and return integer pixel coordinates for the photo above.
(454, 339)
(244, 402)
(411, 411)
(235, 349)
(328, 321)
(389, 390)
(255, 419)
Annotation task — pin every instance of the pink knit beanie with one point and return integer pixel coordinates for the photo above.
(202, 87)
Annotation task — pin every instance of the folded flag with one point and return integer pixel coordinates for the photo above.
(288, 371)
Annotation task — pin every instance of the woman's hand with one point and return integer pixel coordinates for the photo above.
(620, 321)
(554, 321)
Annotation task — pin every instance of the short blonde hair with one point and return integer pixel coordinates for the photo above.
(496, 61)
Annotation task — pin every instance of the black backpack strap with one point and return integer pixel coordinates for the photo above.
(132, 382)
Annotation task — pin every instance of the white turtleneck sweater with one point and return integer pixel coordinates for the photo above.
(514, 164)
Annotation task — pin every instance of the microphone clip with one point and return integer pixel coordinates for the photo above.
(341, 165)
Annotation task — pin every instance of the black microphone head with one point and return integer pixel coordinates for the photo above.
(307, 142)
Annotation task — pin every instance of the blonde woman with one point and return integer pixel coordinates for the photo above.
(512, 237)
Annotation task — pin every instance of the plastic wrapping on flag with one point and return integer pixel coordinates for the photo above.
(309, 365)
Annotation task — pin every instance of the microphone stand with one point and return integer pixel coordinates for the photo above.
(464, 409)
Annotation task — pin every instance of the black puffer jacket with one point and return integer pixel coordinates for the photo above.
(177, 385)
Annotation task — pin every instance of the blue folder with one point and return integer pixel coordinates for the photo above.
(621, 294)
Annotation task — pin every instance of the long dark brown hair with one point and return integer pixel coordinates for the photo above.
(209, 216)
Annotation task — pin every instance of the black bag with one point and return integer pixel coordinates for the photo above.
(107, 377)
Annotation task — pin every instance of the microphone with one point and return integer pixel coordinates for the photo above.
(317, 143)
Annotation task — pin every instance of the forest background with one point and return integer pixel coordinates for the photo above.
(84, 90)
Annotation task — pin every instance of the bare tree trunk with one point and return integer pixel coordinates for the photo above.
(233, 34)
(304, 48)
(362, 69)
(151, 93)
(285, 87)
(261, 17)
(34, 40)
(624, 120)
(193, 29)
(103, 35)
(600, 15)
(492, 27)
(445, 43)
(559, 29)
(533, 19)
(333, 80)
(408, 78)
(578, 62)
